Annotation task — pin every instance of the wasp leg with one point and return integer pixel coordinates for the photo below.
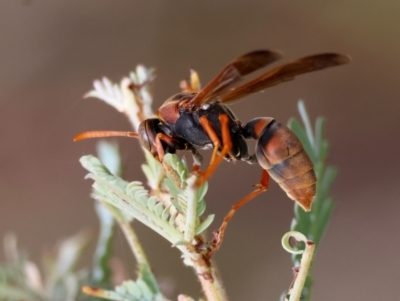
(219, 235)
(172, 142)
(159, 147)
(227, 144)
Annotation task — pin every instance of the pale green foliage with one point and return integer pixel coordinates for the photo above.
(146, 286)
(59, 280)
(313, 224)
(174, 210)
(101, 272)
(127, 201)
(135, 200)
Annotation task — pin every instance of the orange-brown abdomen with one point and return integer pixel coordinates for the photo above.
(281, 153)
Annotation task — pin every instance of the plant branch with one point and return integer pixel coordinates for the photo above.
(297, 285)
(301, 276)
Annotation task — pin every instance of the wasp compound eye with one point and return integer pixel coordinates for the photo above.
(147, 134)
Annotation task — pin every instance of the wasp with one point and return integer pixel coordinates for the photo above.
(200, 119)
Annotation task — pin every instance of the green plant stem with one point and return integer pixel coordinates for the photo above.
(300, 279)
(133, 242)
(206, 272)
(214, 290)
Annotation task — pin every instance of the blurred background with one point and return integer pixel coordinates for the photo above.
(51, 51)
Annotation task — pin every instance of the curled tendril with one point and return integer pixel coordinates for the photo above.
(286, 241)
(297, 284)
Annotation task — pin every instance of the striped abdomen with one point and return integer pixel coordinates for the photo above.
(281, 153)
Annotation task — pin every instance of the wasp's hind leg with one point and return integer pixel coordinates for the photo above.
(219, 234)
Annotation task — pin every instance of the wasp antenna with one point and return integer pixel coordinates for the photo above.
(100, 134)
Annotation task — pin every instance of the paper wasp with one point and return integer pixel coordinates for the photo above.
(200, 119)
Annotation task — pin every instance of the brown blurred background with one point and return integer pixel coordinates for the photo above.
(51, 51)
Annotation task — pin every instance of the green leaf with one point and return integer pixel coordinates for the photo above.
(69, 252)
(307, 124)
(101, 272)
(131, 198)
(320, 143)
(153, 171)
(204, 224)
(201, 191)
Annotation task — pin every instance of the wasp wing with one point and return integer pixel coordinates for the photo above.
(285, 73)
(232, 73)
